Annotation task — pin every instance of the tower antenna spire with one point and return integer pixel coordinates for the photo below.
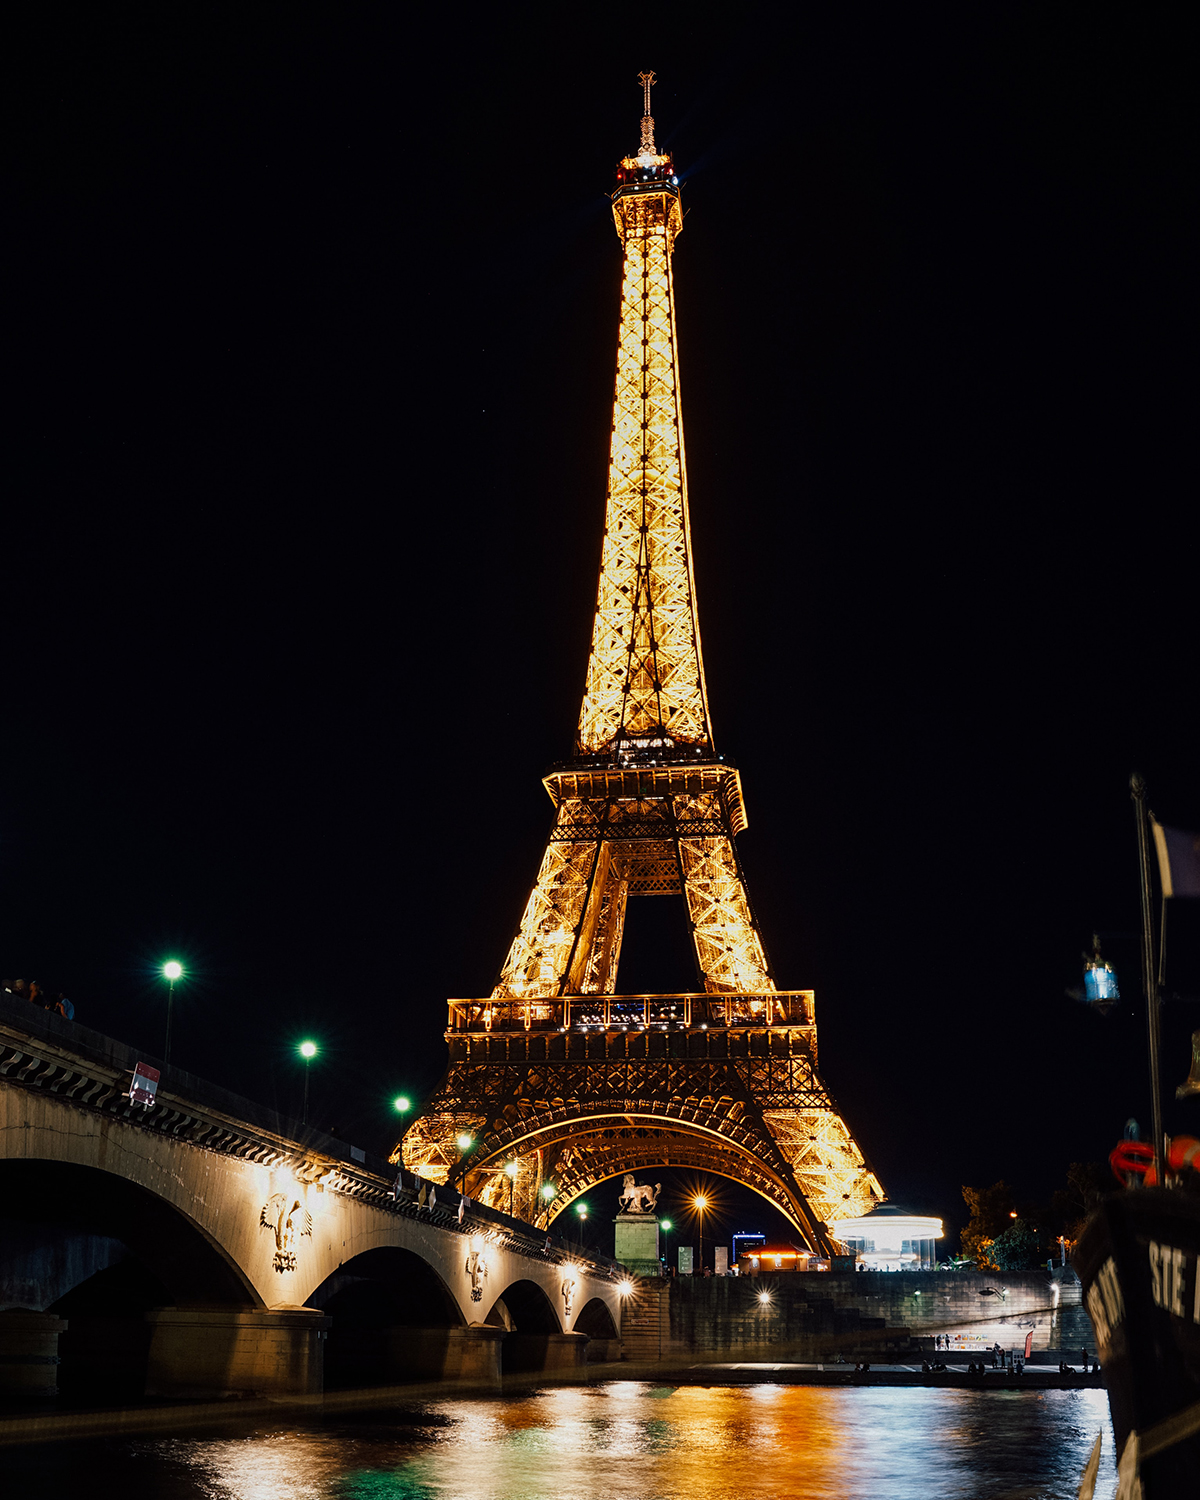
(647, 152)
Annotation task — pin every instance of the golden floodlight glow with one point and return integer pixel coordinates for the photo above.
(645, 807)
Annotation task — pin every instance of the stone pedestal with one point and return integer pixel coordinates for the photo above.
(204, 1352)
(637, 1243)
(29, 1353)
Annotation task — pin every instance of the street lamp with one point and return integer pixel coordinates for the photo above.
(700, 1203)
(465, 1142)
(401, 1104)
(581, 1210)
(549, 1193)
(172, 971)
(308, 1050)
(666, 1226)
(510, 1171)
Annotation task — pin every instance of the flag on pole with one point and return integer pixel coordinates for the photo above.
(463, 1204)
(1178, 860)
(1029, 1343)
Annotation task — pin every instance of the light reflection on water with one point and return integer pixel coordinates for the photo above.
(630, 1440)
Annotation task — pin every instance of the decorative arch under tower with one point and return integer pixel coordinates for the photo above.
(554, 1077)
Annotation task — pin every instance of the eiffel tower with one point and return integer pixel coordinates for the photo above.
(556, 1083)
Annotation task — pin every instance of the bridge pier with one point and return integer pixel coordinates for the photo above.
(551, 1353)
(468, 1354)
(204, 1352)
(29, 1353)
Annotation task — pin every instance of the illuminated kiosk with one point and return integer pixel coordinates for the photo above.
(889, 1238)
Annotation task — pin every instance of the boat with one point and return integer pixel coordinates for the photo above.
(1139, 1262)
(1138, 1257)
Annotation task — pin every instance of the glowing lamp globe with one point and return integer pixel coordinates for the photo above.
(308, 1050)
(172, 971)
(465, 1141)
(402, 1105)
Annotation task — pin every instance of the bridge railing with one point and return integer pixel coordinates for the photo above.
(90, 1073)
(697, 1011)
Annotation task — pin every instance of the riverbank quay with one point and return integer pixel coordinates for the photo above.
(234, 1416)
(814, 1316)
(958, 1375)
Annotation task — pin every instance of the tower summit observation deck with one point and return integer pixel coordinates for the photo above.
(554, 1079)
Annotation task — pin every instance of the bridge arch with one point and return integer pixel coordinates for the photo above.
(106, 1254)
(596, 1320)
(643, 1165)
(392, 1317)
(80, 1221)
(532, 1325)
(578, 1149)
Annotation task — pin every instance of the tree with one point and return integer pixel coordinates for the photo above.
(1016, 1248)
(1087, 1182)
(991, 1215)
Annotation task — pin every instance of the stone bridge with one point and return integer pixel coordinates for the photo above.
(205, 1246)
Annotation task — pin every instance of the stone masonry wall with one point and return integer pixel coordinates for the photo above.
(807, 1311)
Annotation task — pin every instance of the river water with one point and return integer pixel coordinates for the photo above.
(625, 1440)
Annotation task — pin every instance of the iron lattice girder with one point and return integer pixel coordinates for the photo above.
(645, 808)
(576, 1148)
(664, 831)
(638, 1150)
(645, 671)
(746, 1098)
(595, 788)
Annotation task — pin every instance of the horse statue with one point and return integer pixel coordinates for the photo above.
(640, 1199)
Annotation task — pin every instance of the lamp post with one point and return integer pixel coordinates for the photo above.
(308, 1050)
(402, 1104)
(510, 1171)
(581, 1210)
(666, 1226)
(549, 1193)
(700, 1203)
(172, 970)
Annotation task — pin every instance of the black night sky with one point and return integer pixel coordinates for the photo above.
(310, 320)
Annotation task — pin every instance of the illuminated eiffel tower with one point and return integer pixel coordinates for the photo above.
(555, 1083)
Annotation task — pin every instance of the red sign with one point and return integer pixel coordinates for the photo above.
(144, 1085)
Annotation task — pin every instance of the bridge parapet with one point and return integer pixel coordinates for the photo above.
(43, 1051)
